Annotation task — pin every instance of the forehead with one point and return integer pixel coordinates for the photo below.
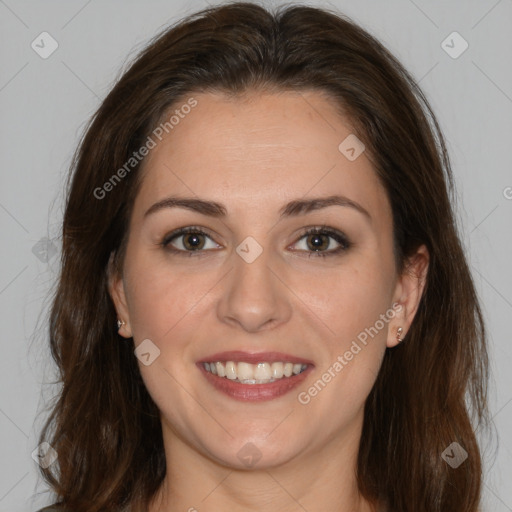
(258, 152)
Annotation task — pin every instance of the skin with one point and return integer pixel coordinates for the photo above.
(253, 155)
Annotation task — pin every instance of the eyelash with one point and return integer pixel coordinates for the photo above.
(318, 230)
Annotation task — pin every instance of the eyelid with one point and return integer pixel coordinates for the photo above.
(183, 231)
(333, 233)
(340, 238)
(179, 232)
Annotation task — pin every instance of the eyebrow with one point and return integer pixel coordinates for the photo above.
(291, 209)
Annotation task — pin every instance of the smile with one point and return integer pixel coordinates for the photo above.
(247, 376)
(260, 373)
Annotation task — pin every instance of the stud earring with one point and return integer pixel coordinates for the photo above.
(399, 334)
(120, 323)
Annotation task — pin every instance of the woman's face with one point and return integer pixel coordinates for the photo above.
(256, 292)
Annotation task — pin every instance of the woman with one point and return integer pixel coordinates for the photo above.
(263, 302)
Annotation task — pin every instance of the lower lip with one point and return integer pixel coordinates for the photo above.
(254, 392)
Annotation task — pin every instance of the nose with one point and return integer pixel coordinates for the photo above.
(255, 296)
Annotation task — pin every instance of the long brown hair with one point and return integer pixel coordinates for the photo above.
(431, 390)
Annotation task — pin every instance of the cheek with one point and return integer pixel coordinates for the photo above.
(355, 306)
(163, 302)
(353, 302)
(168, 304)
(165, 307)
(347, 298)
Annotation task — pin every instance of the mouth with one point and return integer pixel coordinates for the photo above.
(251, 374)
(254, 377)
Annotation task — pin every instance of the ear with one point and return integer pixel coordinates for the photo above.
(118, 295)
(408, 292)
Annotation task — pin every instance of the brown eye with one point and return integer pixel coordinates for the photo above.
(188, 240)
(318, 242)
(193, 241)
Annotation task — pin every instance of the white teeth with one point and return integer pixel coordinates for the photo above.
(230, 370)
(221, 372)
(277, 370)
(247, 373)
(262, 371)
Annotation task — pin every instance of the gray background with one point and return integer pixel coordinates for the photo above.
(45, 104)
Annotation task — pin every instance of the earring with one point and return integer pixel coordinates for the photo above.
(120, 323)
(398, 334)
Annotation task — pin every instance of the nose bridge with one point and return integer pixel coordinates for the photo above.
(254, 297)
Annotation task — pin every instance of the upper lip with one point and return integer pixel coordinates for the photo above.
(254, 357)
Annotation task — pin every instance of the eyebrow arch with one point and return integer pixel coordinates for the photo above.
(291, 209)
